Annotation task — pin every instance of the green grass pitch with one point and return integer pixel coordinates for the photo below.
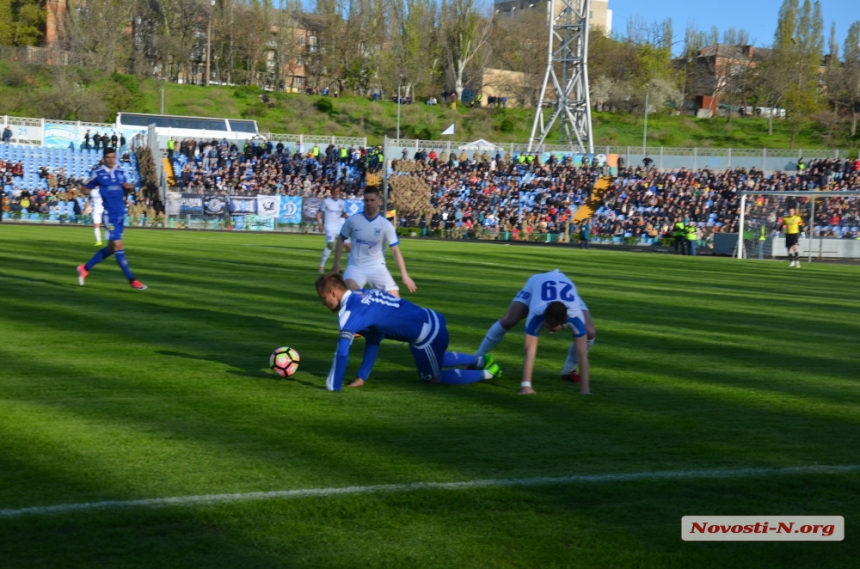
(700, 364)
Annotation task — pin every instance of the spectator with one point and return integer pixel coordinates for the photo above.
(7, 135)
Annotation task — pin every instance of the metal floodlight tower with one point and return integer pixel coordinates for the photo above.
(567, 54)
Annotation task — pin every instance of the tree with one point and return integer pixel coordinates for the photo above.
(464, 35)
(21, 22)
(851, 73)
(107, 45)
(413, 54)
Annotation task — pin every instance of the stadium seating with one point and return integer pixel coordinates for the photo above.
(77, 164)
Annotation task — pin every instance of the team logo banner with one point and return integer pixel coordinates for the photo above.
(215, 205)
(243, 205)
(354, 207)
(268, 206)
(191, 204)
(291, 210)
(174, 203)
(310, 207)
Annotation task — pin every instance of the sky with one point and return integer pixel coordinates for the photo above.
(758, 17)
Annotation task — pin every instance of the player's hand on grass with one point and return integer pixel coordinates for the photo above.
(410, 284)
(526, 391)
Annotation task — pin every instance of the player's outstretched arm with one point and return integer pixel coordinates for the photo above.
(581, 346)
(334, 381)
(338, 251)
(530, 353)
(371, 350)
(320, 220)
(401, 266)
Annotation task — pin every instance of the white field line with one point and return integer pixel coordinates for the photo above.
(209, 499)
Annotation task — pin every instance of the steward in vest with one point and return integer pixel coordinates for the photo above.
(690, 230)
(679, 232)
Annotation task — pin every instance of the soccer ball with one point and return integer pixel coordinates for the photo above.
(284, 361)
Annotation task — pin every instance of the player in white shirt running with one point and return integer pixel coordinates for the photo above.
(369, 232)
(98, 213)
(332, 212)
(550, 301)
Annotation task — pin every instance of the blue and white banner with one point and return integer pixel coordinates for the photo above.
(310, 207)
(291, 210)
(354, 207)
(191, 204)
(215, 205)
(243, 205)
(268, 206)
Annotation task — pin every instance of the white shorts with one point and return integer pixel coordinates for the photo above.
(99, 216)
(376, 277)
(331, 236)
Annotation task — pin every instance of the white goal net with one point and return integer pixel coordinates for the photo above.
(830, 220)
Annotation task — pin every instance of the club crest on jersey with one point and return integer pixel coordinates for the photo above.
(377, 232)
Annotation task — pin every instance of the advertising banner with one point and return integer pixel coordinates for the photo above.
(354, 207)
(215, 205)
(191, 204)
(291, 210)
(260, 223)
(174, 203)
(310, 207)
(268, 206)
(243, 205)
(72, 136)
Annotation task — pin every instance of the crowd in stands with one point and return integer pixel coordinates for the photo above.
(46, 182)
(266, 167)
(490, 190)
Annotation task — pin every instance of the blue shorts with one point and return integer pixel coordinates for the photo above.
(115, 226)
(429, 352)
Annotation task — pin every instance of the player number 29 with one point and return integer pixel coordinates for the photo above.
(548, 291)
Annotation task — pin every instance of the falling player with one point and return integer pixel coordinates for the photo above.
(369, 231)
(112, 185)
(377, 315)
(792, 223)
(333, 213)
(549, 301)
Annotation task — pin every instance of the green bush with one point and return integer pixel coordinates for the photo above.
(324, 106)
(127, 81)
(256, 110)
(506, 126)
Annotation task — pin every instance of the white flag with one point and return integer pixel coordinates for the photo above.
(449, 130)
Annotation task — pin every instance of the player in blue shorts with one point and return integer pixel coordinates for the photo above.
(548, 301)
(112, 184)
(377, 315)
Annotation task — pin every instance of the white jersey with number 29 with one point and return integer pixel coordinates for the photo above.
(369, 237)
(544, 288)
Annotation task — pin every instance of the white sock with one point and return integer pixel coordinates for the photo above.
(571, 361)
(494, 335)
(98, 232)
(326, 253)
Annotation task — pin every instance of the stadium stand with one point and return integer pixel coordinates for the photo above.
(41, 180)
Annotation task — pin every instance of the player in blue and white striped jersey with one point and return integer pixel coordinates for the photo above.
(548, 301)
(378, 315)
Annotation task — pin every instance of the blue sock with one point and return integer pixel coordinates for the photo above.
(461, 376)
(123, 264)
(100, 256)
(456, 359)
